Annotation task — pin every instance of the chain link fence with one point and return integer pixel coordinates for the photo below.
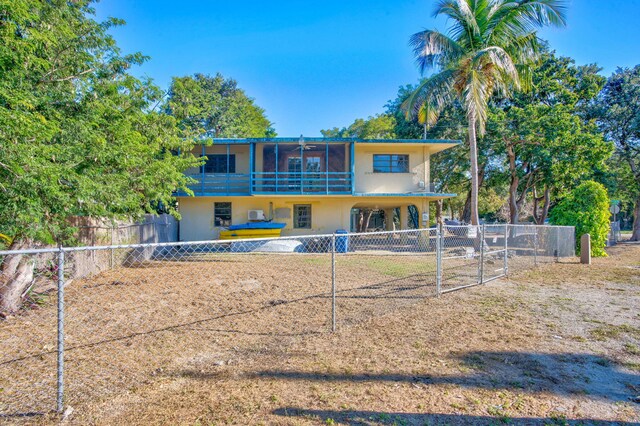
(615, 234)
(172, 308)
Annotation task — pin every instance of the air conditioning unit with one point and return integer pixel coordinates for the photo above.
(256, 214)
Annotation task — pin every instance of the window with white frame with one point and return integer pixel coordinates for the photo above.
(302, 216)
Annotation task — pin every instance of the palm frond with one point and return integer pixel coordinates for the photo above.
(476, 97)
(526, 77)
(516, 18)
(464, 27)
(524, 49)
(432, 48)
(429, 114)
(500, 59)
(435, 91)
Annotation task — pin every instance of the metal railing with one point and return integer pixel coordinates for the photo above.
(221, 184)
(302, 182)
(179, 300)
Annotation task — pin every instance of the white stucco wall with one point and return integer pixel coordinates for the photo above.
(369, 182)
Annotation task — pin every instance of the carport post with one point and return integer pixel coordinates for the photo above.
(438, 259)
(60, 366)
(333, 282)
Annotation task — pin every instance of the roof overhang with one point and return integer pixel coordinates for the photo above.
(435, 145)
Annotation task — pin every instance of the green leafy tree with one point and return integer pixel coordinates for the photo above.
(587, 208)
(215, 107)
(548, 145)
(79, 136)
(405, 127)
(488, 49)
(617, 109)
(381, 126)
(451, 174)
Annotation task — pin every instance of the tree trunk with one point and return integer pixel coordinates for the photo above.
(367, 220)
(16, 275)
(439, 212)
(513, 186)
(364, 218)
(541, 217)
(635, 236)
(466, 210)
(473, 153)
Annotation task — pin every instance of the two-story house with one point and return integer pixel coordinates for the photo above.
(313, 185)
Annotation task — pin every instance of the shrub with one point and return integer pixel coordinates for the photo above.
(586, 208)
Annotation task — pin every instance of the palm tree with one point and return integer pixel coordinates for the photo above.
(486, 51)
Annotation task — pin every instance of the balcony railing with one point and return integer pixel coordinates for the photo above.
(302, 182)
(292, 183)
(221, 184)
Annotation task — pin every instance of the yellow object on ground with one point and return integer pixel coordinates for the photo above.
(249, 233)
(6, 239)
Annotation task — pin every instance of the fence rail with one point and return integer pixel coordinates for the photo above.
(81, 338)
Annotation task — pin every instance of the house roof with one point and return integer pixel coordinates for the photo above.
(335, 140)
(434, 145)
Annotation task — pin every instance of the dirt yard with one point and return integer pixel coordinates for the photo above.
(229, 341)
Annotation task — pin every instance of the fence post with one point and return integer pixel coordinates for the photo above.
(481, 269)
(438, 259)
(506, 249)
(111, 260)
(557, 232)
(333, 282)
(60, 366)
(535, 246)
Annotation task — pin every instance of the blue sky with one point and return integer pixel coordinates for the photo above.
(318, 64)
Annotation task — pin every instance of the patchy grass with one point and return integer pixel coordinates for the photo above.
(247, 341)
(631, 348)
(391, 265)
(610, 331)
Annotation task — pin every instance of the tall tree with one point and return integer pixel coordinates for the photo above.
(618, 112)
(215, 107)
(79, 136)
(549, 146)
(381, 126)
(487, 50)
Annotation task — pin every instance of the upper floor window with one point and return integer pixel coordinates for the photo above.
(390, 163)
(217, 163)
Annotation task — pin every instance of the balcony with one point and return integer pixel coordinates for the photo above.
(220, 184)
(265, 183)
(302, 183)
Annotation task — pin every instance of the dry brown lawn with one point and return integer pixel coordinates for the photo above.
(246, 340)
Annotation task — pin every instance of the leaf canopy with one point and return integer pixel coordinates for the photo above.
(79, 135)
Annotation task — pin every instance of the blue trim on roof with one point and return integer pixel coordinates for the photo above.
(331, 140)
(403, 194)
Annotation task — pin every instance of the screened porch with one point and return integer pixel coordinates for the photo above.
(303, 168)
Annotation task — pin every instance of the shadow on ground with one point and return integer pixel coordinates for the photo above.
(370, 418)
(563, 374)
